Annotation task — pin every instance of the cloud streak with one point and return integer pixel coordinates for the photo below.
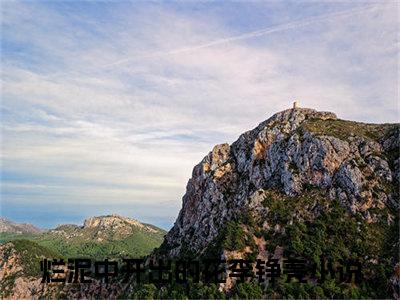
(253, 34)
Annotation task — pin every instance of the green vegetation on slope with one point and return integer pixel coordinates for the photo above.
(334, 234)
(135, 245)
(234, 236)
(24, 256)
(7, 236)
(315, 228)
(30, 253)
(343, 129)
(76, 242)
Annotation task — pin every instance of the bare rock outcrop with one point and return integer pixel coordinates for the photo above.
(293, 150)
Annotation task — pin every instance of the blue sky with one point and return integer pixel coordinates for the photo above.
(107, 106)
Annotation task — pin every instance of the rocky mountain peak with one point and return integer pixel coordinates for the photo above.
(114, 222)
(293, 151)
(289, 119)
(293, 117)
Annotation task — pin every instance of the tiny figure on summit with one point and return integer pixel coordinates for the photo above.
(295, 105)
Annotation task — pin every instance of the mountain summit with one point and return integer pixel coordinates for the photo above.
(292, 152)
(116, 222)
(302, 183)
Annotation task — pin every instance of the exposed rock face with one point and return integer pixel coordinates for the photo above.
(104, 228)
(12, 227)
(12, 267)
(18, 278)
(115, 222)
(293, 150)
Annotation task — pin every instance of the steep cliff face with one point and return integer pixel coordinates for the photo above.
(292, 152)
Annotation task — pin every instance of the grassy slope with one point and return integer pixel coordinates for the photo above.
(31, 248)
(344, 129)
(28, 255)
(135, 245)
(138, 244)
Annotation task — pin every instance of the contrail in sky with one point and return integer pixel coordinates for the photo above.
(261, 32)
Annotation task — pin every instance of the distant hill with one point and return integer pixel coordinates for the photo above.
(7, 226)
(109, 236)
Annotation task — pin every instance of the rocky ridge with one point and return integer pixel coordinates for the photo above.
(115, 221)
(104, 227)
(18, 228)
(294, 150)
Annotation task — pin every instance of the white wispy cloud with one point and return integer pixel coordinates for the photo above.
(253, 34)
